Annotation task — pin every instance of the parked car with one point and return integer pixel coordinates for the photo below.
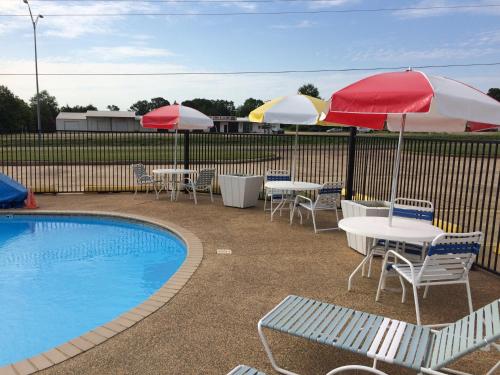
(278, 131)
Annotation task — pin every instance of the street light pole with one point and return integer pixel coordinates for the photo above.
(34, 21)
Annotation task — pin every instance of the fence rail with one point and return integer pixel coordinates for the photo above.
(461, 177)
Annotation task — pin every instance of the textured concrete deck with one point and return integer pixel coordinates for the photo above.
(211, 324)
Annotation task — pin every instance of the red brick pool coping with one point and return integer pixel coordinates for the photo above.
(126, 320)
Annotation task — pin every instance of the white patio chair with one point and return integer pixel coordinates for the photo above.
(275, 195)
(408, 208)
(203, 183)
(327, 199)
(142, 178)
(447, 262)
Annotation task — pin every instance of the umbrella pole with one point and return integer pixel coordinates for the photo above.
(175, 149)
(395, 173)
(294, 157)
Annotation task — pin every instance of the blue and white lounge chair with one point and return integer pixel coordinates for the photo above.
(448, 261)
(416, 347)
(245, 370)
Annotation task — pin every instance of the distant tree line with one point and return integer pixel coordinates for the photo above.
(16, 115)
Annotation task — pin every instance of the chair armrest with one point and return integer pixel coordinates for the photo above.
(400, 257)
(301, 197)
(371, 370)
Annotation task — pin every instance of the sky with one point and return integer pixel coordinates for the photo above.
(88, 43)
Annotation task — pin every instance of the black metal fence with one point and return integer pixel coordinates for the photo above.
(461, 177)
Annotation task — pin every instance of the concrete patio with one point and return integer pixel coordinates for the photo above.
(211, 324)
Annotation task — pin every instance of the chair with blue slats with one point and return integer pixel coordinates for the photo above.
(245, 370)
(408, 208)
(448, 261)
(275, 195)
(327, 199)
(416, 347)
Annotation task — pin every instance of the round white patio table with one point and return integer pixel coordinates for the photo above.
(288, 187)
(402, 230)
(171, 175)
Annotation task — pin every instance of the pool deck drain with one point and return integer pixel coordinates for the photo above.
(126, 320)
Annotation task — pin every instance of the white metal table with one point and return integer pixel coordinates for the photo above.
(288, 188)
(171, 177)
(402, 230)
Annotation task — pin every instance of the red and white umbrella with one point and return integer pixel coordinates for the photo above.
(176, 117)
(411, 101)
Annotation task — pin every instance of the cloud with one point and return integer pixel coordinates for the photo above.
(416, 56)
(70, 26)
(421, 13)
(331, 3)
(304, 24)
(124, 52)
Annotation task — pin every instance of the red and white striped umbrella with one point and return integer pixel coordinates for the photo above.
(176, 117)
(411, 101)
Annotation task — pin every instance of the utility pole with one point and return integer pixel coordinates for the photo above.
(34, 21)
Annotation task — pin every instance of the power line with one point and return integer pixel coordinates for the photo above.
(340, 70)
(320, 11)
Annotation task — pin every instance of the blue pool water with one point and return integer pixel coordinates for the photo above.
(61, 276)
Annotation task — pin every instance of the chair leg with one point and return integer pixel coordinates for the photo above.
(211, 195)
(417, 307)
(314, 221)
(265, 199)
(382, 279)
(403, 286)
(469, 296)
(426, 291)
(269, 353)
(194, 196)
(135, 190)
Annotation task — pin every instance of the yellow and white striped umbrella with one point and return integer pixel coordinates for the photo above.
(292, 110)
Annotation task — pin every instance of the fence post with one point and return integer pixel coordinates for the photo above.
(350, 163)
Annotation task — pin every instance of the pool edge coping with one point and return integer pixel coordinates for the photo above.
(127, 319)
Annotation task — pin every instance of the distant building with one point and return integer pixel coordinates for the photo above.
(100, 121)
(124, 121)
(233, 124)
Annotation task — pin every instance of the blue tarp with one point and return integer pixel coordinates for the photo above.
(12, 193)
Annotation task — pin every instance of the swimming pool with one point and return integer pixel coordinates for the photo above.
(61, 276)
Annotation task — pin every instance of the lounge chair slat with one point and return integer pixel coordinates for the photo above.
(464, 332)
(245, 370)
(349, 327)
(422, 348)
(371, 335)
(287, 303)
(488, 319)
(442, 345)
(415, 341)
(333, 336)
(378, 338)
(495, 319)
(294, 317)
(391, 354)
(322, 329)
(313, 331)
(280, 320)
(313, 319)
(403, 346)
(389, 337)
(349, 335)
(365, 331)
